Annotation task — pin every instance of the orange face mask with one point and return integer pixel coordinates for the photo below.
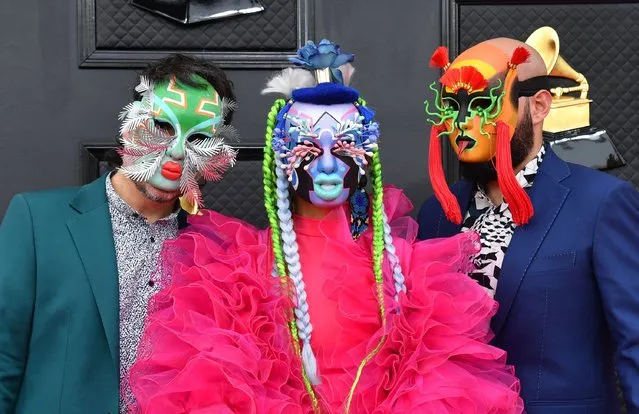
(476, 93)
(477, 111)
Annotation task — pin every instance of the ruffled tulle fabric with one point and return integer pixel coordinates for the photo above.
(217, 339)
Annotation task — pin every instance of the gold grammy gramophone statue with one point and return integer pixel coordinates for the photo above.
(567, 126)
(566, 112)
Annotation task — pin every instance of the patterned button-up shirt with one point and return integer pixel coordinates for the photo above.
(137, 247)
(495, 226)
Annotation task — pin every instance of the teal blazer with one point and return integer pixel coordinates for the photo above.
(59, 304)
(59, 328)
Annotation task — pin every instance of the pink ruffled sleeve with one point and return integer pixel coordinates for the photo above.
(216, 339)
(436, 358)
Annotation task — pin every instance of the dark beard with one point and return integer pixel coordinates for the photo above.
(156, 195)
(521, 145)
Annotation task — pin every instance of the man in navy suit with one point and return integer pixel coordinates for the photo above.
(559, 242)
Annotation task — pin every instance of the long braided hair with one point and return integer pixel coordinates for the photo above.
(285, 249)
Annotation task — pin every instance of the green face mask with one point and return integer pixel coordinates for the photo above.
(174, 136)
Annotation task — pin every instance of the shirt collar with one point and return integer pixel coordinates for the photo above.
(116, 202)
(527, 175)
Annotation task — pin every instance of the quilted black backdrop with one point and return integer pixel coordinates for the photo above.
(239, 194)
(599, 40)
(114, 33)
(120, 25)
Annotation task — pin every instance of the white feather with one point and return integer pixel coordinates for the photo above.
(144, 85)
(347, 72)
(288, 80)
(228, 106)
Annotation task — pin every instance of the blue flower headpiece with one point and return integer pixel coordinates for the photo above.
(359, 137)
(326, 55)
(325, 61)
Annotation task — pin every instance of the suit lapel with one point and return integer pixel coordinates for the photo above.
(548, 197)
(93, 237)
(464, 193)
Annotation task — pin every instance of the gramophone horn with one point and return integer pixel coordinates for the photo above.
(545, 41)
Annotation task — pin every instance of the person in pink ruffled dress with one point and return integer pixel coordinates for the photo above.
(335, 308)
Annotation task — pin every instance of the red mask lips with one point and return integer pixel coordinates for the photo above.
(171, 171)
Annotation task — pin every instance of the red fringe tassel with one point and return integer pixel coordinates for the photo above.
(438, 179)
(520, 205)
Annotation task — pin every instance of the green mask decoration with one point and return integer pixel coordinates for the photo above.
(175, 135)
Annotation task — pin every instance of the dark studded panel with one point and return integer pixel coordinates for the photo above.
(239, 194)
(598, 40)
(121, 26)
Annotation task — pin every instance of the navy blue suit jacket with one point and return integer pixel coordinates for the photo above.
(568, 292)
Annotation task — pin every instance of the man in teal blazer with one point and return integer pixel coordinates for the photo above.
(77, 264)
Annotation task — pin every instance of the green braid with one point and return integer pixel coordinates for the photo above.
(378, 220)
(270, 203)
(270, 198)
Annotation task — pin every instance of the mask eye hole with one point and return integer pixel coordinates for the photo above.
(196, 138)
(337, 149)
(308, 151)
(481, 104)
(347, 139)
(164, 127)
(450, 105)
(313, 144)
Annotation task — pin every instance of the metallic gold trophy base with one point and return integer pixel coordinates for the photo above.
(567, 113)
(567, 126)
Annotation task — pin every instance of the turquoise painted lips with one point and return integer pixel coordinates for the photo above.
(328, 186)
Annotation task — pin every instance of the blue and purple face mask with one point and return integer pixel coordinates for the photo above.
(324, 150)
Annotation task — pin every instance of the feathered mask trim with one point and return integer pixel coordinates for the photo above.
(286, 81)
(465, 77)
(144, 146)
(520, 55)
(440, 59)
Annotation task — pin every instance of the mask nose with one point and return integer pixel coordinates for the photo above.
(465, 126)
(327, 162)
(461, 122)
(176, 151)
